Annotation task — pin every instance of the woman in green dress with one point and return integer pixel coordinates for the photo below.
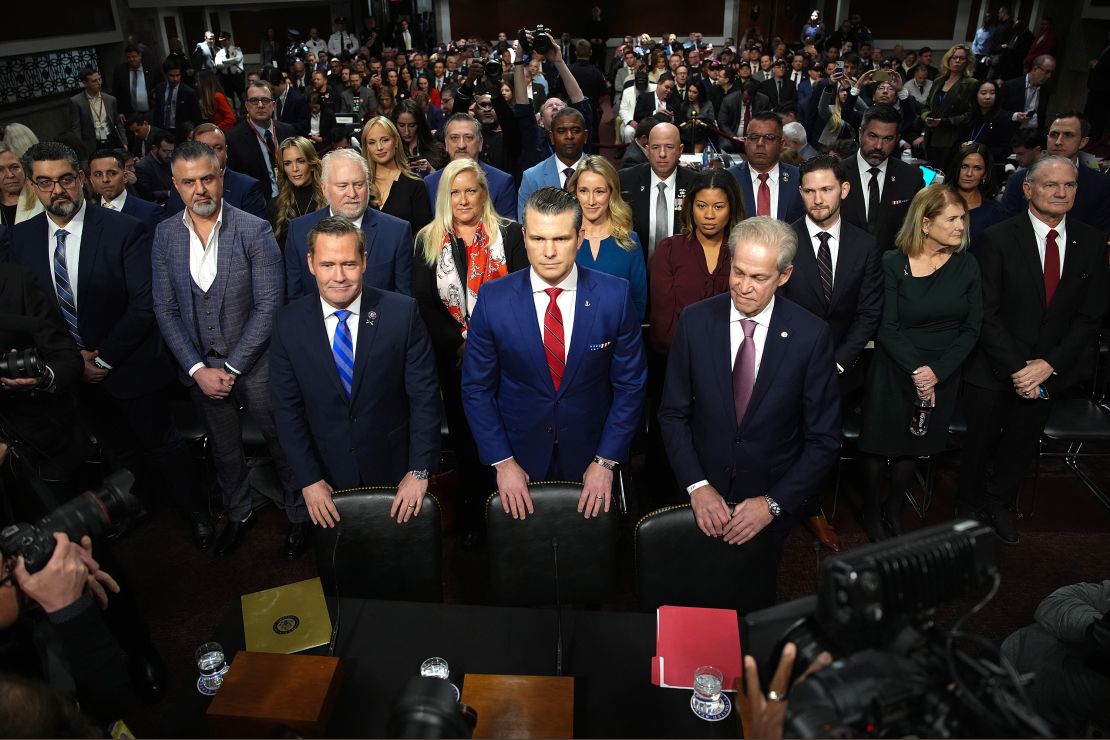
(932, 310)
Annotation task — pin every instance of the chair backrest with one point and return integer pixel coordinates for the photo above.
(522, 555)
(374, 557)
(678, 565)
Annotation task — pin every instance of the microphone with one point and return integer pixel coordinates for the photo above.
(558, 611)
(338, 607)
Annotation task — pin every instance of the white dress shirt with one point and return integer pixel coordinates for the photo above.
(268, 154)
(116, 204)
(140, 103)
(669, 194)
(565, 301)
(1040, 230)
(203, 257)
(331, 321)
(317, 46)
(561, 165)
(865, 179)
(99, 115)
(74, 228)
(356, 221)
(772, 184)
(834, 240)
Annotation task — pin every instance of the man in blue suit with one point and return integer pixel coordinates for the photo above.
(241, 191)
(217, 283)
(769, 187)
(108, 178)
(554, 372)
(463, 138)
(353, 370)
(345, 180)
(568, 138)
(751, 410)
(95, 266)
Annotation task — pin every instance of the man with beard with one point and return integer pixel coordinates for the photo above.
(154, 181)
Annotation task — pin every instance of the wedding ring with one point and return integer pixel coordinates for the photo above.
(412, 506)
(600, 497)
(773, 695)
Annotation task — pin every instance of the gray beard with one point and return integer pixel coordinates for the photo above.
(63, 209)
(204, 210)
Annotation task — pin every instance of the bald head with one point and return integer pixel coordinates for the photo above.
(664, 148)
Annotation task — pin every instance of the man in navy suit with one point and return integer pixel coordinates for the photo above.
(769, 187)
(108, 177)
(568, 138)
(352, 369)
(462, 135)
(253, 142)
(173, 104)
(95, 265)
(751, 411)
(240, 191)
(345, 180)
(292, 106)
(554, 372)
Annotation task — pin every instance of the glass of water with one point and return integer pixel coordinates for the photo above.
(212, 665)
(707, 690)
(435, 668)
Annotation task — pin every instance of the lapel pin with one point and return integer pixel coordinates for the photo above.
(643, 188)
(586, 304)
(784, 335)
(892, 178)
(371, 317)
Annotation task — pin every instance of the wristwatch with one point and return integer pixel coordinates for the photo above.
(773, 506)
(419, 474)
(604, 463)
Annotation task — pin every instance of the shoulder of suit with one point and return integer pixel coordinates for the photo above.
(384, 219)
(800, 319)
(492, 173)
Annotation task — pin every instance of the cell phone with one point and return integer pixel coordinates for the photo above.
(840, 66)
(883, 75)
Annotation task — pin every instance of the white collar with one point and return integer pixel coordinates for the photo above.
(116, 202)
(671, 179)
(772, 174)
(763, 318)
(1041, 229)
(356, 221)
(814, 229)
(864, 166)
(187, 219)
(355, 308)
(570, 282)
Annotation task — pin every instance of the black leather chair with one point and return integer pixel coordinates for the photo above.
(371, 556)
(523, 558)
(678, 565)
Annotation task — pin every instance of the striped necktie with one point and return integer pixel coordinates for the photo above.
(343, 349)
(65, 293)
(553, 344)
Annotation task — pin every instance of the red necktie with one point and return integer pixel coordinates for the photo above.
(1051, 266)
(763, 200)
(743, 370)
(553, 338)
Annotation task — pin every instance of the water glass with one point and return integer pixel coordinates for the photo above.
(435, 668)
(212, 665)
(707, 689)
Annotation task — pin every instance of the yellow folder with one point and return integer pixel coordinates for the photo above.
(286, 619)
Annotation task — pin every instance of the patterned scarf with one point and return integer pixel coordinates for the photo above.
(485, 260)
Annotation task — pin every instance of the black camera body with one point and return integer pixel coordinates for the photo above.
(22, 363)
(540, 43)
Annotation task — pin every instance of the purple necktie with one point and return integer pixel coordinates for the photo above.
(743, 370)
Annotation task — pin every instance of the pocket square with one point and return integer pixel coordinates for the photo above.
(599, 346)
(900, 202)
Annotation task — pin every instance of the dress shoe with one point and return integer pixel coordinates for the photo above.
(296, 541)
(824, 532)
(232, 534)
(201, 527)
(148, 673)
(1005, 526)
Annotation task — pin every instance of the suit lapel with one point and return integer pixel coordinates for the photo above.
(808, 262)
(785, 182)
(40, 260)
(367, 331)
(774, 349)
(720, 345)
(86, 258)
(530, 329)
(1071, 272)
(316, 345)
(585, 311)
(745, 181)
(223, 256)
(1031, 258)
(370, 228)
(854, 202)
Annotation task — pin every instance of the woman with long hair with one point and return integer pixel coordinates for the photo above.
(465, 246)
(657, 66)
(610, 246)
(970, 173)
(299, 191)
(387, 102)
(950, 105)
(212, 101)
(405, 84)
(393, 83)
(418, 145)
(395, 188)
(989, 124)
(695, 114)
(829, 109)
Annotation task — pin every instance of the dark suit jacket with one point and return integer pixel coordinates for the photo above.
(392, 418)
(295, 112)
(788, 440)
(510, 401)
(149, 214)
(770, 89)
(388, 253)
(244, 154)
(645, 106)
(730, 112)
(1092, 198)
(153, 179)
(1011, 98)
(188, 110)
(791, 207)
(856, 305)
(502, 188)
(142, 147)
(1017, 325)
(241, 191)
(634, 154)
(635, 189)
(902, 183)
(121, 87)
(115, 312)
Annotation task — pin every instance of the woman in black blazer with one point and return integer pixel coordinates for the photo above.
(396, 189)
(321, 121)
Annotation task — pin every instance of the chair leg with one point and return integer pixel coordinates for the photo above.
(921, 508)
(622, 502)
(836, 488)
(1072, 461)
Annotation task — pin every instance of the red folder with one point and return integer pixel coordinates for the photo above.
(687, 638)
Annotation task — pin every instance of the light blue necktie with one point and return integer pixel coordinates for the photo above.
(343, 349)
(65, 293)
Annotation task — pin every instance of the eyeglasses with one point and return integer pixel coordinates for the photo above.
(46, 185)
(259, 101)
(765, 138)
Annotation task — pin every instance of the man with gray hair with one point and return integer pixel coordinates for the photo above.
(750, 414)
(252, 144)
(794, 137)
(1044, 279)
(217, 283)
(462, 135)
(345, 180)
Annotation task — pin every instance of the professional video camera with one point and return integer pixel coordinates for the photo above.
(895, 672)
(22, 363)
(89, 514)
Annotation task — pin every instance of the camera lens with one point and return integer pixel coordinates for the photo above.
(25, 363)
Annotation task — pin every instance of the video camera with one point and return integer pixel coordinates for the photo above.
(89, 514)
(895, 673)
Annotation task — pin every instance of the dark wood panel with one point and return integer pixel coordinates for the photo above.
(23, 21)
(249, 26)
(893, 20)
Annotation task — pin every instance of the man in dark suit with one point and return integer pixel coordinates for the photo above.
(769, 187)
(132, 82)
(292, 106)
(94, 115)
(339, 369)
(1067, 136)
(778, 89)
(738, 108)
(837, 277)
(462, 135)
(153, 178)
(655, 210)
(881, 186)
(1026, 97)
(1045, 286)
(751, 411)
(345, 180)
(554, 373)
(142, 134)
(217, 284)
(108, 178)
(241, 191)
(173, 103)
(253, 142)
(659, 103)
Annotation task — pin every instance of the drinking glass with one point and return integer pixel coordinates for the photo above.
(707, 701)
(435, 668)
(212, 665)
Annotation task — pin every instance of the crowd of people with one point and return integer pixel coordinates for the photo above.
(372, 232)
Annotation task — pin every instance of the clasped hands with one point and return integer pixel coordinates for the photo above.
(512, 486)
(214, 382)
(742, 523)
(1028, 380)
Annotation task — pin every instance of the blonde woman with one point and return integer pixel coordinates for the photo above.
(396, 189)
(610, 246)
(950, 105)
(299, 191)
(932, 310)
(829, 108)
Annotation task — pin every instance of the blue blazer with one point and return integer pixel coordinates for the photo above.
(241, 191)
(115, 313)
(509, 399)
(791, 207)
(1092, 198)
(789, 438)
(388, 253)
(392, 418)
(150, 214)
(246, 294)
(502, 189)
(543, 175)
